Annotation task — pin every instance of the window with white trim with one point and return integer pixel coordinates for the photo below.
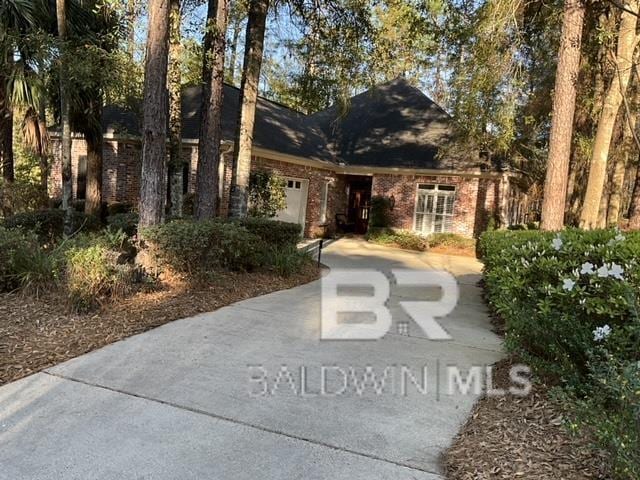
(434, 208)
(324, 197)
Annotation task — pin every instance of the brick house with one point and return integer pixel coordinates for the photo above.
(391, 142)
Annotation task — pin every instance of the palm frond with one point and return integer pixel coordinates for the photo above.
(34, 131)
(24, 86)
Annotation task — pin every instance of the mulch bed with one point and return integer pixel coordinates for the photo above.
(520, 437)
(36, 333)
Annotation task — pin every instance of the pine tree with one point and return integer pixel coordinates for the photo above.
(256, 25)
(154, 127)
(211, 108)
(564, 104)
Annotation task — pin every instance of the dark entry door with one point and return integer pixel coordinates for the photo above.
(359, 200)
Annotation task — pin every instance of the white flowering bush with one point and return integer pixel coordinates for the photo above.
(569, 302)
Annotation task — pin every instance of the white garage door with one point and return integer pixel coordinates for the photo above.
(296, 201)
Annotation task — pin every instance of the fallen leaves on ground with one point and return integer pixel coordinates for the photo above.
(511, 437)
(36, 333)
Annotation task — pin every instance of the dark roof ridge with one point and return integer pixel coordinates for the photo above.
(262, 97)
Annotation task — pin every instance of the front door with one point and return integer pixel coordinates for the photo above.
(296, 191)
(359, 199)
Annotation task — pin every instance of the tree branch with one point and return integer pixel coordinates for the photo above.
(622, 7)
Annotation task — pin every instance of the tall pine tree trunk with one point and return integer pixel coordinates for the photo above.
(211, 125)
(236, 27)
(613, 100)
(67, 206)
(131, 27)
(154, 126)
(175, 111)
(620, 168)
(93, 198)
(634, 206)
(564, 105)
(253, 50)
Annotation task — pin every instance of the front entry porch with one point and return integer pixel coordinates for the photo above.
(358, 203)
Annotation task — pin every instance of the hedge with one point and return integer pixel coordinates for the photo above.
(569, 302)
(199, 248)
(399, 238)
(274, 232)
(48, 225)
(127, 222)
(23, 263)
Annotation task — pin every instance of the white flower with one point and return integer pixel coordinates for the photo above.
(582, 301)
(557, 243)
(525, 262)
(568, 284)
(587, 268)
(616, 271)
(601, 333)
(603, 271)
(619, 237)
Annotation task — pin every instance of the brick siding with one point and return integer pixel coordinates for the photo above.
(468, 220)
(122, 168)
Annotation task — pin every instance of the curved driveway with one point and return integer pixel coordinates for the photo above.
(250, 392)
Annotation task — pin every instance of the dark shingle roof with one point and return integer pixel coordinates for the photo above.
(391, 125)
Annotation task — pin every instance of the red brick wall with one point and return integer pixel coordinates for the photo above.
(317, 178)
(122, 168)
(470, 192)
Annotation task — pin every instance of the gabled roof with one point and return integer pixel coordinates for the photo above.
(391, 125)
(277, 127)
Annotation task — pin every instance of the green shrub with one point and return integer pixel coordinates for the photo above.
(188, 204)
(267, 194)
(197, 249)
(380, 212)
(127, 222)
(450, 240)
(273, 232)
(23, 263)
(48, 225)
(569, 302)
(116, 208)
(285, 261)
(21, 195)
(94, 273)
(399, 238)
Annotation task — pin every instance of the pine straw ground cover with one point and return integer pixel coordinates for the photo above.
(38, 333)
(520, 437)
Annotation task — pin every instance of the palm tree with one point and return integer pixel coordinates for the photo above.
(17, 17)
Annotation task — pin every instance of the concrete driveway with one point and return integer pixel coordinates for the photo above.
(238, 393)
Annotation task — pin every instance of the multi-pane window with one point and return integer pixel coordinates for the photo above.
(324, 197)
(434, 208)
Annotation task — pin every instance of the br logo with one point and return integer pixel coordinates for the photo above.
(424, 313)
